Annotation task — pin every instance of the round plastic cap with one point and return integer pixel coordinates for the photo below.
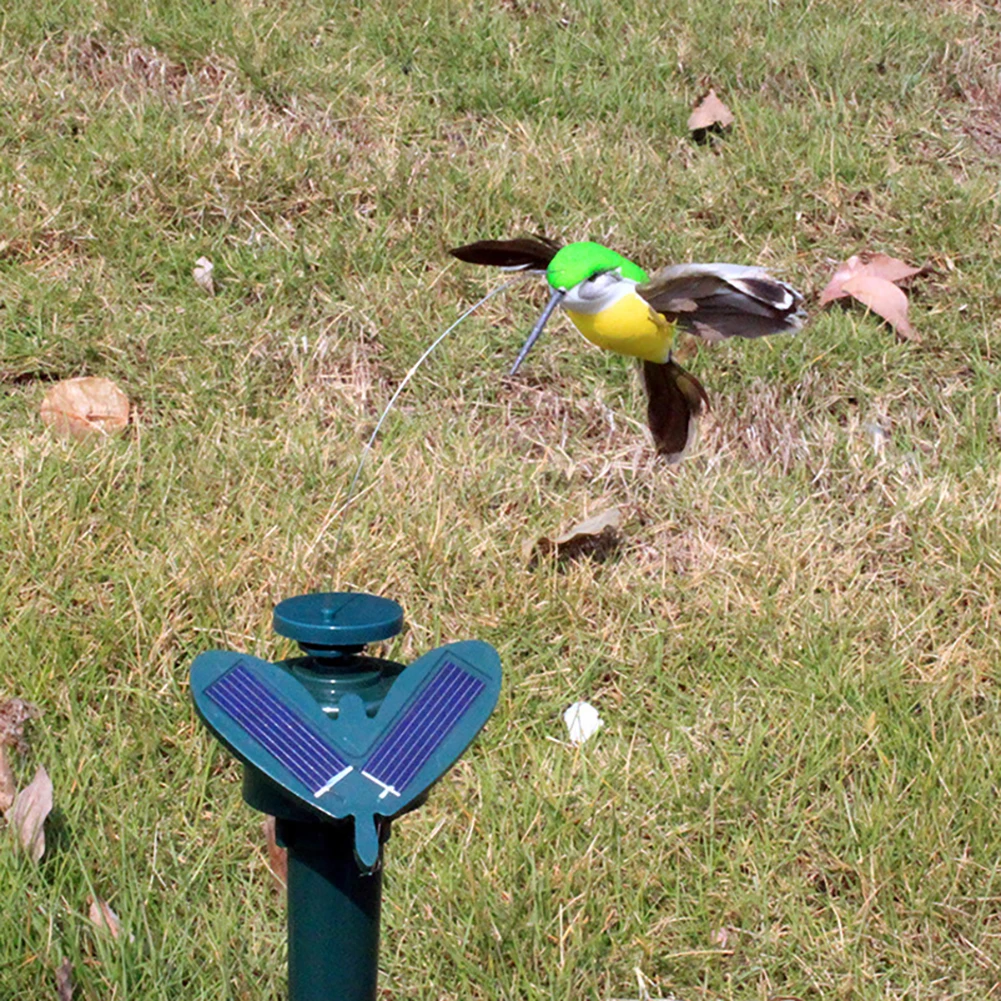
(338, 619)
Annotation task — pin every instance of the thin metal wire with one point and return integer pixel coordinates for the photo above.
(389, 406)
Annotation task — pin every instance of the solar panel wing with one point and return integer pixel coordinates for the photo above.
(279, 729)
(420, 730)
(348, 765)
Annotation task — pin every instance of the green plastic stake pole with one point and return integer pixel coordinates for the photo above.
(333, 915)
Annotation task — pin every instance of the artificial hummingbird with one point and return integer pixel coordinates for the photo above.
(618, 307)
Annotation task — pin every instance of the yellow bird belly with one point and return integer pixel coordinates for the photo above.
(628, 327)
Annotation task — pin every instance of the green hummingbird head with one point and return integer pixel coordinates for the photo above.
(577, 262)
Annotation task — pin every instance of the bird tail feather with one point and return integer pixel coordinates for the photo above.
(675, 401)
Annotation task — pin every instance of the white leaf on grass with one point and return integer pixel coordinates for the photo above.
(582, 722)
(27, 816)
(878, 435)
(203, 275)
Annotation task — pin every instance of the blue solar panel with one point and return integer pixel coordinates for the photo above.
(280, 730)
(419, 732)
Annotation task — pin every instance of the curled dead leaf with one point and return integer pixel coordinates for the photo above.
(14, 714)
(872, 280)
(102, 916)
(884, 299)
(8, 785)
(710, 115)
(85, 406)
(892, 269)
(64, 980)
(721, 937)
(202, 273)
(277, 856)
(597, 536)
(27, 816)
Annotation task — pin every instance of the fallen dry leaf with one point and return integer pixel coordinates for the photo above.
(277, 856)
(8, 785)
(709, 115)
(884, 299)
(598, 536)
(892, 269)
(102, 916)
(85, 406)
(27, 816)
(14, 713)
(720, 937)
(64, 980)
(202, 273)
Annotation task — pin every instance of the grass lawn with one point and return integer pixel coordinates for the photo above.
(795, 650)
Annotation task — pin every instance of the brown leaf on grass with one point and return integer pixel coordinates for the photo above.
(891, 269)
(598, 537)
(8, 785)
(709, 117)
(277, 856)
(14, 713)
(27, 816)
(708, 112)
(64, 980)
(102, 916)
(884, 299)
(85, 406)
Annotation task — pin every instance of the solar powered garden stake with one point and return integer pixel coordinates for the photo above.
(335, 745)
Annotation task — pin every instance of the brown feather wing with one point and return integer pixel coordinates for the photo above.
(716, 301)
(524, 253)
(675, 401)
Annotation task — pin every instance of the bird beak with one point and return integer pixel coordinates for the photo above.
(540, 324)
